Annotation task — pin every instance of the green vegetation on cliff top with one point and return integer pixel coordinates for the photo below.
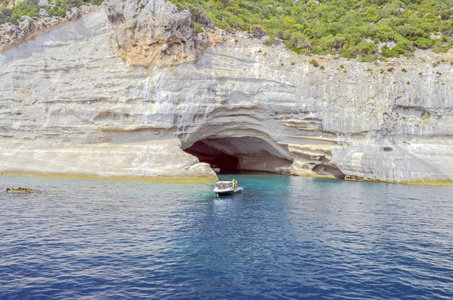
(365, 29)
(31, 8)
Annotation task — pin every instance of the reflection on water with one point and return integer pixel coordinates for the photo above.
(282, 237)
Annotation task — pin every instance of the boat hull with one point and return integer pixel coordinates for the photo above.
(228, 192)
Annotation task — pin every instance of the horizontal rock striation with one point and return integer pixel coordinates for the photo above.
(103, 96)
(103, 160)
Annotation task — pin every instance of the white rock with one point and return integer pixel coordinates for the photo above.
(43, 12)
(71, 105)
(73, 13)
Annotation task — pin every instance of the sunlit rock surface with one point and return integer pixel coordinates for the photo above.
(82, 99)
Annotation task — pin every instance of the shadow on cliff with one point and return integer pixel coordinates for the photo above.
(239, 155)
(232, 155)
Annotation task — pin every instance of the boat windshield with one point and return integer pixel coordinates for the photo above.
(224, 184)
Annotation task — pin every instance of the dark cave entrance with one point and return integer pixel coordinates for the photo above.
(220, 162)
(233, 155)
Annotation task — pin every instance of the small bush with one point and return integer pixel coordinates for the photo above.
(314, 62)
(198, 27)
(403, 70)
(390, 69)
(369, 58)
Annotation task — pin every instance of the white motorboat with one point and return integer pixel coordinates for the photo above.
(226, 188)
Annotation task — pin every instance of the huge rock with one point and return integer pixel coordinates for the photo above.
(154, 33)
(87, 99)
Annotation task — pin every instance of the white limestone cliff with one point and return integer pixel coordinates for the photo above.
(120, 92)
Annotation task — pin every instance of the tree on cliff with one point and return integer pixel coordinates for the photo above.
(354, 28)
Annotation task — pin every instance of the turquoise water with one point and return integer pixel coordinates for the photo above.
(282, 238)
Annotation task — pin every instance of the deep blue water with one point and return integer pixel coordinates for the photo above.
(283, 238)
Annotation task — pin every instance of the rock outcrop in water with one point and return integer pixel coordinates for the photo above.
(122, 91)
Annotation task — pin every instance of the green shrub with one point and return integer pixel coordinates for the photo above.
(369, 58)
(424, 43)
(345, 28)
(314, 62)
(197, 26)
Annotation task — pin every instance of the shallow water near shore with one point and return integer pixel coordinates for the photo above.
(283, 237)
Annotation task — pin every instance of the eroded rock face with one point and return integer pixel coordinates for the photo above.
(154, 32)
(231, 154)
(155, 159)
(12, 36)
(68, 99)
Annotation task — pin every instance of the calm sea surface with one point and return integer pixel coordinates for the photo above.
(283, 238)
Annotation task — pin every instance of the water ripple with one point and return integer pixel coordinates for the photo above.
(297, 238)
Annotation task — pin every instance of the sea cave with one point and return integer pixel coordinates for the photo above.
(232, 155)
